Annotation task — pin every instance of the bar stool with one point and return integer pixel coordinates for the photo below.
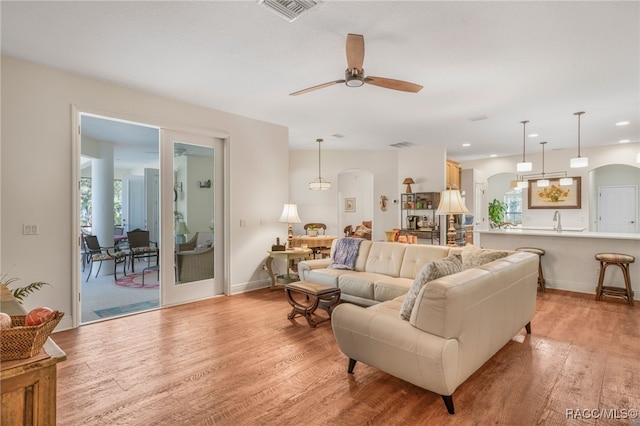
(540, 252)
(623, 261)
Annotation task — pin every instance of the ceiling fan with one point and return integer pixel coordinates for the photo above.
(354, 74)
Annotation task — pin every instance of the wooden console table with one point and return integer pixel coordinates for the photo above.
(28, 386)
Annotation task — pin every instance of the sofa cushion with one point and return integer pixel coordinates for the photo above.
(385, 258)
(473, 256)
(416, 257)
(433, 270)
(359, 284)
(390, 288)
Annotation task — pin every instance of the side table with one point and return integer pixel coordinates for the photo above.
(287, 256)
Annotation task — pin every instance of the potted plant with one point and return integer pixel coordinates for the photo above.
(497, 210)
(20, 293)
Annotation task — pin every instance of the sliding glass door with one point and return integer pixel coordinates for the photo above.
(192, 201)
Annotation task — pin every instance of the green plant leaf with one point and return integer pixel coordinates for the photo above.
(21, 293)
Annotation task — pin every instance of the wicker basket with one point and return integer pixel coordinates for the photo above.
(21, 341)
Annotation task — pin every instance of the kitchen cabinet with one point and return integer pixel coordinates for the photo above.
(453, 175)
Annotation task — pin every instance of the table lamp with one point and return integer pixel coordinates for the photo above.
(181, 230)
(451, 203)
(408, 182)
(290, 216)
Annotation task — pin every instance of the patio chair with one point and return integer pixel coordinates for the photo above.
(140, 247)
(97, 253)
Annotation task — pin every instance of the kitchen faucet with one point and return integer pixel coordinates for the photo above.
(556, 217)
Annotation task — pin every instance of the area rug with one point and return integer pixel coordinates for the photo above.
(127, 309)
(135, 280)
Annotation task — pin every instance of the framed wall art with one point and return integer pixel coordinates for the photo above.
(555, 196)
(350, 205)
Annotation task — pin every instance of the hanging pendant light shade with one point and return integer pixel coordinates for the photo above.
(579, 161)
(523, 166)
(542, 182)
(319, 184)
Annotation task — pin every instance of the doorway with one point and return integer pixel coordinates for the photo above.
(119, 189)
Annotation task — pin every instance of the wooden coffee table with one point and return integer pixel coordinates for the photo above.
(305, 297)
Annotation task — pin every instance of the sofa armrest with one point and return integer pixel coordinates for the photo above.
(307, 265)
(395, 346)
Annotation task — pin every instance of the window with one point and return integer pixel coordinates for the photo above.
(513, 199)
(85, 203)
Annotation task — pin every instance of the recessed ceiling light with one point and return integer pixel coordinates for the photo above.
(625, 141)
(493, 155)
(622, 123)
(533, 135)
(466, 144)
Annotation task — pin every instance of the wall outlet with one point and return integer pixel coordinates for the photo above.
(243, 223)
(30, 229)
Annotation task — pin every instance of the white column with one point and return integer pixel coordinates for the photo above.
(102, 199)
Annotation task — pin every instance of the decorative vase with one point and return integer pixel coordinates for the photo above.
(313, 232)
(391, 236)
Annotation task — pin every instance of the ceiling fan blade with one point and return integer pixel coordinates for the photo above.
(319, 86)
(389, 83)
(355, 51)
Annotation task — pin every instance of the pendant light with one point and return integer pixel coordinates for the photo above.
(542, 182)
(524, 166)
(579, 161)
(319, 184)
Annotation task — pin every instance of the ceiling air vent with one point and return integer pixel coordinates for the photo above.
(402, 145)
(288, 9)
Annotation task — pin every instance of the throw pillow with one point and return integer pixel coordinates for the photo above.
(367, 223)
(473, 256)
(362, 231)
(431, 271)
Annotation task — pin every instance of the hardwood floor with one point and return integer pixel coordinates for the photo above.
(239, 361)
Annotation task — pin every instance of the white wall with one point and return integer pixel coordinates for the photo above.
(37, 166)
(557, 161)
(426, 164)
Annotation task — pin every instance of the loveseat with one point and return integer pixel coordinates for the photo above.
(452, 325)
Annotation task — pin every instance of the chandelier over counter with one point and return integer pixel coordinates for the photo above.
(319, 184)
(524, 165)
(579, 161)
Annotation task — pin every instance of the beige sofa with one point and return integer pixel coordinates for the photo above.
(458, 321)
(383, 271)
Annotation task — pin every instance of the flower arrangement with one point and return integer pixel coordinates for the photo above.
(553, 193)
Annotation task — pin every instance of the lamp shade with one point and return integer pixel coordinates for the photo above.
(182, 229)
(290, 214)
(524, 166)
(407, 181)
(451, 203)
(578, 162)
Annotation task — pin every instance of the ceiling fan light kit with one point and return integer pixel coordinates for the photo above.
(354, 74)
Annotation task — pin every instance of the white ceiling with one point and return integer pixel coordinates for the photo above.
(508, 61)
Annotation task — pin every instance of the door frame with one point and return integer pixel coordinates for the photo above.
(74, 239)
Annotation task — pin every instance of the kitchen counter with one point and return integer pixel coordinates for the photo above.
(567, 232)
(569, 262)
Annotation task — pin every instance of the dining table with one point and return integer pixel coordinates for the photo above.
(316, 243)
